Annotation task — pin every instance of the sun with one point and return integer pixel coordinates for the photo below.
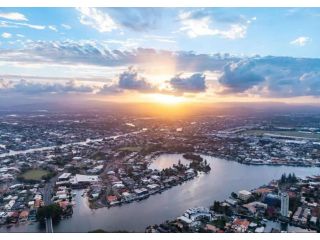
(167, 99)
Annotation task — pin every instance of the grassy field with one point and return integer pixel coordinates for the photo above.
(315, 136)
(34, 174)
(99, 156)
(130, 149)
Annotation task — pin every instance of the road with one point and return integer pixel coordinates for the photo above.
(87, 141)
(47, 195)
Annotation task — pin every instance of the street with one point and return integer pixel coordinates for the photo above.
(47, 195)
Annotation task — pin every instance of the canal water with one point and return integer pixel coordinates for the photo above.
(224, 178)
(168, 160)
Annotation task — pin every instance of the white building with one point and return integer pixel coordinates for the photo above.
(198, 213)
(64, 177)
(284, 204)
(80, 179)
(244, 195)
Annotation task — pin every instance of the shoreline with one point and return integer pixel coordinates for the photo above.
(154, 155)
(102, 212)
(163, 187)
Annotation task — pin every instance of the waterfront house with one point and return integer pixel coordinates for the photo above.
(23, 217)
(240, 225)
(111, 199)
(244, 195)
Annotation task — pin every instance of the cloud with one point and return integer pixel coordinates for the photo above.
(98, 53)
(240, 76)
(123, 44)
(132, 80)
(37, 27)
(6, 35)
(10, 24)
(129, 80)
(13, 16)
(4, 84)
(199, 23)
(32, 88)
(97, 19)
(110, 89)
(193, 84)
(300, 41)
(136, 19)
(66, 26)
(195, 27)
(110, 19)
(272, 77)
(53, 28)
(262, 76)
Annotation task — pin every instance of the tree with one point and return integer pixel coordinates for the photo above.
(294, 178)
(289, 178)
(234, 195)
(216, 206)
(53, 211)
(293, 204)
(318, 225)
(283, 178)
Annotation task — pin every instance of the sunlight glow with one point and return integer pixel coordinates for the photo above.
(167, 99)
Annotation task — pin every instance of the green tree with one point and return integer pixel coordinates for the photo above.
(283, 178)
(234, 195)
(53, 211)
(216, 206)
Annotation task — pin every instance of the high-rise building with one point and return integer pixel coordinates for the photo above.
(284, 204)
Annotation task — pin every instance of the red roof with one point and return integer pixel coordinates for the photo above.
(24, 214)
(112, 198)
(63, 204)
(241, 222)
(15, 214)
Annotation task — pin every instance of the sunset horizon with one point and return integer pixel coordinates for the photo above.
(164, 55)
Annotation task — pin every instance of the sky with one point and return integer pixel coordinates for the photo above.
(164, 55)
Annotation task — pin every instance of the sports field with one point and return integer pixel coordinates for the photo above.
(34, 174)
(293, 134)
(130, 149)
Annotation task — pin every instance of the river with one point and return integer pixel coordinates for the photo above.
(224, 178)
